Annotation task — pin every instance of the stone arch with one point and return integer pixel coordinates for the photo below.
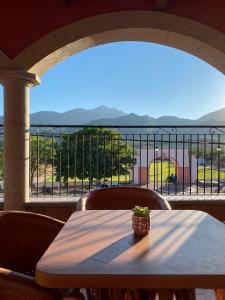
(167, 157)
(19, 73)
(150, 26)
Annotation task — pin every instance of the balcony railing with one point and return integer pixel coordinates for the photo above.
(173, 160)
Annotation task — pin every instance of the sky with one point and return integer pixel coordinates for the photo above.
(135, 77)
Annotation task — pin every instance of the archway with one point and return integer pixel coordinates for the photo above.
(185, 165)
(148, 26)
(161, 171)
(21, 72)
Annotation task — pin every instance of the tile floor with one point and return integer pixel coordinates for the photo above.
(205, 294)
(201, 294)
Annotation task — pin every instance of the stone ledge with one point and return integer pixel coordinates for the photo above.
(72, 201)
(195, 198)
(54, 203)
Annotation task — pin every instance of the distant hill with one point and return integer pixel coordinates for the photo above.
(168, 120)
(130, 119)
(216, 117)
(75, 116)
(133, 119)
(213, 118)
(104, 115)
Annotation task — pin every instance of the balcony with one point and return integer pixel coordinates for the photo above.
(175, 161)
(183, 163)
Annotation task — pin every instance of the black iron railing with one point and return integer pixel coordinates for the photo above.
(173, 160)
(71, 160)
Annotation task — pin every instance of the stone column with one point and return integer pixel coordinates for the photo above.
(16, 136)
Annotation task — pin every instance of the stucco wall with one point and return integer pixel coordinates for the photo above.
(23, 22)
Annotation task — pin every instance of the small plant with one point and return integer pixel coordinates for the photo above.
(141, 211)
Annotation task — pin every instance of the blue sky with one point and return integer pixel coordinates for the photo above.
(137, 77)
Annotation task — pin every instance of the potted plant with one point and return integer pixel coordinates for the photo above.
(141, 220)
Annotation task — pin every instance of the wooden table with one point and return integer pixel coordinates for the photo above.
(184, 249)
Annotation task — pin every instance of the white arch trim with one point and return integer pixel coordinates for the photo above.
(151, 26)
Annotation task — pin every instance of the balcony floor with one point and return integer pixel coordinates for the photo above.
(201, 294)
(205, 294)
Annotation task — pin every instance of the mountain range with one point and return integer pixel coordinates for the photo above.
(104, 115)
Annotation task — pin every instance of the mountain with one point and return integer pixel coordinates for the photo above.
(172, 120)
(216, 117)
(136, 120)
(75, 116)
(104, 115)
(213, 118)
(130, 119)
(45, 117)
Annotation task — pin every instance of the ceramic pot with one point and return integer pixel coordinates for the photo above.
(141, 225)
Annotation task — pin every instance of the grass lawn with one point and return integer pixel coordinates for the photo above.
(208, 173)
(165, 172)
(122, 178)
(166, 169)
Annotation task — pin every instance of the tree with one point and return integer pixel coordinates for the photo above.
(93, 153)
(42, 151)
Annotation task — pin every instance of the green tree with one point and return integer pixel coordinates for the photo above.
(93, 153)
(42, 152)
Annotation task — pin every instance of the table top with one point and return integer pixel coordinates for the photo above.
(184, 249)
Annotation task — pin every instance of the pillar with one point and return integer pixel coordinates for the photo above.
(16, 85)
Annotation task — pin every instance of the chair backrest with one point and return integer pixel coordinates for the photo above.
(123, 198)
(24, 239)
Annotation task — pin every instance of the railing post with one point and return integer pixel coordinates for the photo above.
(16, 136)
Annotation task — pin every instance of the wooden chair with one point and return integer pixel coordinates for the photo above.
(122, 198)
(24, 239)
(220, 294)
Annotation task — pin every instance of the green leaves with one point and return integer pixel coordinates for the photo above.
(93, 154)
(140, 211)
(42, 152)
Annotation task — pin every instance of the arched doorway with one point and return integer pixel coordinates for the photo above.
(162, 171)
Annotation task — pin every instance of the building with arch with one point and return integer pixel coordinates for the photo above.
(35, 35)
(185, 164)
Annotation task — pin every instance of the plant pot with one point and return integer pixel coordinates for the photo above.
(141, 225)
